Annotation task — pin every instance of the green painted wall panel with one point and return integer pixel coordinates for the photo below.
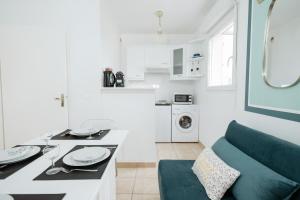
(259, 93)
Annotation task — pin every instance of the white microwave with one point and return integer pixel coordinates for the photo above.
(183, 99)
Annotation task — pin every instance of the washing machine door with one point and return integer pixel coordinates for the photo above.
(185, 122)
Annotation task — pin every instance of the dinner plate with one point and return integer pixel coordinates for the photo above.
(73, 163)
(88, 154)
(83, 132)
(6, 197)
(32, 151)
(13, 153)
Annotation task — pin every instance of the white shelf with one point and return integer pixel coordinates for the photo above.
(187, 78)
(198, 58)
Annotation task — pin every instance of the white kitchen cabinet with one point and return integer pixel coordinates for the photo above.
(157, 57)
(195, 65)
(183, 65)
(179, 62)
(135, 63)
(163, 123)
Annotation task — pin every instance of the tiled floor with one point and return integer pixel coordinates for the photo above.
(141, 183)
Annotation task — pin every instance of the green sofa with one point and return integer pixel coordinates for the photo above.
(178, 182)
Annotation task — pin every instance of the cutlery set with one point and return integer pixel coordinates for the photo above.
(83, 157)
(67, 171)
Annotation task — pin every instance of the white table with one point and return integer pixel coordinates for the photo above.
(21, 182)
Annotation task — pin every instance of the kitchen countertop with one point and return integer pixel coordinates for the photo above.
(163, 104)
(127, 88)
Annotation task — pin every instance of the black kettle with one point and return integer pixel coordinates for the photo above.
(109, 78)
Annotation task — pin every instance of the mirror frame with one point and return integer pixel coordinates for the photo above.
(259, 1)
(265, 57)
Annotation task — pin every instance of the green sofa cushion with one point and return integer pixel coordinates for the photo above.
(178, 182)
(256, 180)
(279, 155)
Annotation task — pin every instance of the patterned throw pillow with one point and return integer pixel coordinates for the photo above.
(214, 174)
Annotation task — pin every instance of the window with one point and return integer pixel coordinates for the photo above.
(220, 68)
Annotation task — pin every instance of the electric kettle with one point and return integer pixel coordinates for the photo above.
(109, 78)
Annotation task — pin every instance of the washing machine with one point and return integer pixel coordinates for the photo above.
(185, 123)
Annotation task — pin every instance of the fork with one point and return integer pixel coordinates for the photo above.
(67, 171)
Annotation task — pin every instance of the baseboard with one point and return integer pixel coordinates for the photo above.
(136, 164)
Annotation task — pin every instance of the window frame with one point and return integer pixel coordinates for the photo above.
(224, 27)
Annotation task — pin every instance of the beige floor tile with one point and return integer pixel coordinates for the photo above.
(146, 172)
(124, 197)
(186, 156)
(126, 172)
(167, 155)
(145, 197)
(146, 186)
(125, 185)
(164, 146)
(184, 148)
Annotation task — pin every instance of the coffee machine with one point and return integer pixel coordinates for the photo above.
(109, 78)
(120, 79)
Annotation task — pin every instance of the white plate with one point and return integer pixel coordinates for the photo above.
(88, 154)
(83, 132)
(6, 197)
(13, 153)
(32, 150)
(69, 161)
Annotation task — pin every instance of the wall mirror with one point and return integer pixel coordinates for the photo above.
(282, 44)
(273, 59)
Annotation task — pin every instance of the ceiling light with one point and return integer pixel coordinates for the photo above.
(159, 14)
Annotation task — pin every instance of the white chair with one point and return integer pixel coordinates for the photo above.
(101, 124)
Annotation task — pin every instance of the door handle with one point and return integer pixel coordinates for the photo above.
(61, 99)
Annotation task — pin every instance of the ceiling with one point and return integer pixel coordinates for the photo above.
(180, 16)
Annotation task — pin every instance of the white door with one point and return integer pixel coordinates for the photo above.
(33, 73)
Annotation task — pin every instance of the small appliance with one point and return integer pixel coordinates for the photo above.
(183, 99)
(120, 79)
(185, 122)
(109, 78)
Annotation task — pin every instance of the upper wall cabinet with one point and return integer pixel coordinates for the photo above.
(176, 60)
(179, 61)
(187, 62)
(135, 62)
(157, 58)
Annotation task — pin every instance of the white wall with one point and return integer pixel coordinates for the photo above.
(110, 37)
(95, 44)
(218, 108)
(1, 122)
